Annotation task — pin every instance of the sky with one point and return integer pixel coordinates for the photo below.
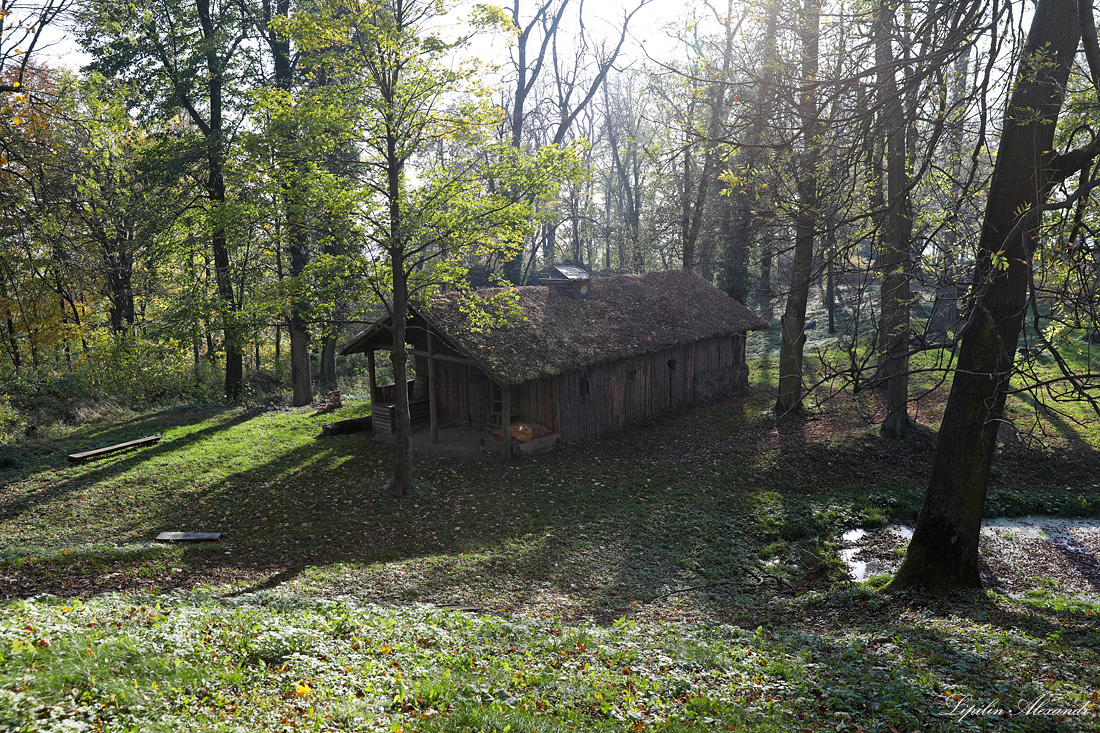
(648, 32)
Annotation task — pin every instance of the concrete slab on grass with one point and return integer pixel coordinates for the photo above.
(189, 536)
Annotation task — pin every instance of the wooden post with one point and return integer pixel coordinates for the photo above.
(506, 421)
(433, 372)
(373, 379)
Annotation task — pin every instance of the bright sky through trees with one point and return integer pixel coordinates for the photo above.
(651, 32)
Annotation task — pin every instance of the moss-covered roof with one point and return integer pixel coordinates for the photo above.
(622, 316)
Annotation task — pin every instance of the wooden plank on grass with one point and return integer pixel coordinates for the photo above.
(78, 457)
(456, 607)
(189, 536)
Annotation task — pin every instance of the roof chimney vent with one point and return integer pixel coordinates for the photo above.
(574, 280)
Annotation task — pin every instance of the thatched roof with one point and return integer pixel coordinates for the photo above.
(622, 316)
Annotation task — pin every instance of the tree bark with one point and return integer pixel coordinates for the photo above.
(402, 484)
(326, 371)
(897, 233)
(793, 322)
(215, 190)
(118, 259)
(301, 378)
(13, 341)
(943, 554)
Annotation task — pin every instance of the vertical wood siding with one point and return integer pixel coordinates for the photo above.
(610, 396)
(603, 397)
(535, 402)
(453, 390)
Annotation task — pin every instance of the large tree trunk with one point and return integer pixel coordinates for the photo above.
(120, 282)
(897, 231)
(118, 261)
(943, 554)
(215, 190)
(402, 485)
(301, 379)
(793, 322)
(326, 376)
(234, 356)
(13, 341)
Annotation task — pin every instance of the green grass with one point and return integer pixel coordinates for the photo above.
(266, 661)
(578, 557)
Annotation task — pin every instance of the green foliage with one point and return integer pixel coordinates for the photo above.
(12, 424)
(302, 610)
(200, 660)
(392, 92)
(136, 372)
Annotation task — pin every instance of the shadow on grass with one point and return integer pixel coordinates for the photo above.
(107, 467)
(1070, 433)
(587, 523)
(596, 529)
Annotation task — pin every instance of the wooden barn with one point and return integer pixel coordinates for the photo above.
(586, 357)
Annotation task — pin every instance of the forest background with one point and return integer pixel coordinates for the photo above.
(196, 205)
(228, 189)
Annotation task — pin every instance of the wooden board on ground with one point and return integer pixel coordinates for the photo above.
(465, 609)
(85, 455)
(189, 536)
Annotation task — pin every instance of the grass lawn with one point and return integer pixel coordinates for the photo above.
(320, 608)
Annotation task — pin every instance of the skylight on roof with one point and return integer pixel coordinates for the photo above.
(570, 272)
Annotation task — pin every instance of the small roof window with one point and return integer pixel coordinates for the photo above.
(569, 272)
(570, 278)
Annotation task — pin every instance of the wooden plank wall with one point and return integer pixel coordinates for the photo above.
(598, 399)
(452, 391)
(609, 396)
(478, 391)
(535, 402)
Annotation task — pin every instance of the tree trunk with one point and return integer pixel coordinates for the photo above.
(793, 322)
(897, 232)
(402, 485)
(234, 358)
(13, 341)
(215, 190)
(326, 376)
(943, 554)
(830, 273)
(737, 236)
(119, 262)
(13, 345)
(301, 378)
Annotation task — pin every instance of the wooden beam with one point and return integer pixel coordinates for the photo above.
(78, 457)
(506, 421)
(373, 378)
(442, 357)
(433, 374)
